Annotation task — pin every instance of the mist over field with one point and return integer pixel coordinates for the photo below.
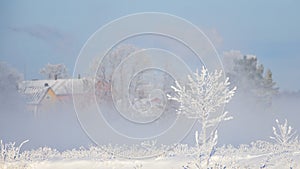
(61, 129)
(143, 85)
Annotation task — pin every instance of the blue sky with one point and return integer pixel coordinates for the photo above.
(34, 33)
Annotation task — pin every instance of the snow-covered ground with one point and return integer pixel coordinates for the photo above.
(254, 161)
(259, 154)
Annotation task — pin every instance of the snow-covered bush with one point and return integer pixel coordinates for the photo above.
(260, 146)
(183, 150)
(40, 154)
(286, 135)
(10, 152)
(95, 153)
(283, 151)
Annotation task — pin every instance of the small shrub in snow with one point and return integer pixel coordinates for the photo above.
(261, 147)
(10, 152)
(286, 135)
(287, 145)
(149, 145)
(95, 153)
(41, 154)
(181, 150)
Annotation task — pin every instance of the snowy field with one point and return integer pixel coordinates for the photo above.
(259, 154)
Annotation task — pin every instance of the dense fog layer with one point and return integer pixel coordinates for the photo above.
(61, 129)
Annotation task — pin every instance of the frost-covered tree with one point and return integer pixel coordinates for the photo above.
(251, 79)
(201, 98)
(204, 94)
(269, 88)
(9, 79)
(54, 71)
(103, 68)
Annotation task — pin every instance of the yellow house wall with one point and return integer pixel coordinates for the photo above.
(49, 101)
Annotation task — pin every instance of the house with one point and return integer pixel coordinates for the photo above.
(36, 94)
(47, 95)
